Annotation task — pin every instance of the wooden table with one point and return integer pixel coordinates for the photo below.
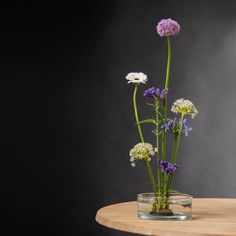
(211, 216)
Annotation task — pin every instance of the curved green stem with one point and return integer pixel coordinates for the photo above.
(136, 113)
(152, 179)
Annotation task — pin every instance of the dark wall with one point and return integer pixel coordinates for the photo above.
(67, 117)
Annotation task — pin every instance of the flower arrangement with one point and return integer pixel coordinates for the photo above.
(176, 126)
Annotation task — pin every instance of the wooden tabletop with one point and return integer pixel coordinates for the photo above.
(211, 216)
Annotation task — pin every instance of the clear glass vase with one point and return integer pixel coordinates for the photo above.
(176, 206)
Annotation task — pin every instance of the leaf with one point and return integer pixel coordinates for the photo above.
(154, 131)
(152, 121)
(152, 105)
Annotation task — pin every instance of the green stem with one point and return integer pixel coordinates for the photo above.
(170, 178)
(157, 153)
(152, 179)
(165, 99)
(178, 140)
(165, 108)
(163, 144)
(136, 113)
(173, 149)
(172, 161)
(168, 62)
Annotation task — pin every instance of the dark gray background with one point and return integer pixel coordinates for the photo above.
(67, 115)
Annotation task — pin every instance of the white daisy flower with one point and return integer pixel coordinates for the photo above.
(185, 107)
(135, 77)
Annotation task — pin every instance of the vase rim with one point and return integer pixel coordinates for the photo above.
(150, 195)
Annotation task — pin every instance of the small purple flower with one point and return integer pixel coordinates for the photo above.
(185, 128)
(174, 123)
(156, 93)
(168, 167)
(163, 165)
(151, 92)
(167, 27)
(166, 125)
(163, 93)
(171, 124)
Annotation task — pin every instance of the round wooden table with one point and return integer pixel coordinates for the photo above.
(211, 216)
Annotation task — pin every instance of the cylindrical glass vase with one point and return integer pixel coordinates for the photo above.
(176, 206)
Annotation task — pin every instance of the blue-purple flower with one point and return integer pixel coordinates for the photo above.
(167, 27)
(170, 124)
(185, 128)
(156, 93)
(167, 167)
(166, 125)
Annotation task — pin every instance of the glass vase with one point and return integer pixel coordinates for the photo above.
(176, 206)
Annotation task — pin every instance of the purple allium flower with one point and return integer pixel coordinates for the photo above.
(167, 27)
(185, 128)
(168, 167)
(156, 93)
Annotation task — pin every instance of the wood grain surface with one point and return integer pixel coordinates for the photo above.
(211, 216)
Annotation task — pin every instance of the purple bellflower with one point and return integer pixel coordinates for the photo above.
(185, 128)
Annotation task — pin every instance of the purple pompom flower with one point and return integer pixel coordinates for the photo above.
(168, 167)
(185, 128)
(167, 27)
(156, 93)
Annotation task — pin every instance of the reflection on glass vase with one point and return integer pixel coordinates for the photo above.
(176, 206)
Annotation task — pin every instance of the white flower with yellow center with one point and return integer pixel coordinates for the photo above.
(185, 107)
(141, 151)
(137, 78)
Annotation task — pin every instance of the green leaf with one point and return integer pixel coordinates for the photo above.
(152, 105)
(152, 121)
(154, 131)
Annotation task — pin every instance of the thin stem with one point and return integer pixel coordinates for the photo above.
(178, 140)
(157, 151)
(152, 179)
(165, 99)
(136, 113)
(170, 178)
(163, 144)
(168, 62)
(173, 149)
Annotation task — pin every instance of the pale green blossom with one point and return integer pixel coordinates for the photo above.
(141, 151)
(184, 107)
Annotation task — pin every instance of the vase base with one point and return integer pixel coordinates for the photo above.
(164, 216)
(163, 212)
